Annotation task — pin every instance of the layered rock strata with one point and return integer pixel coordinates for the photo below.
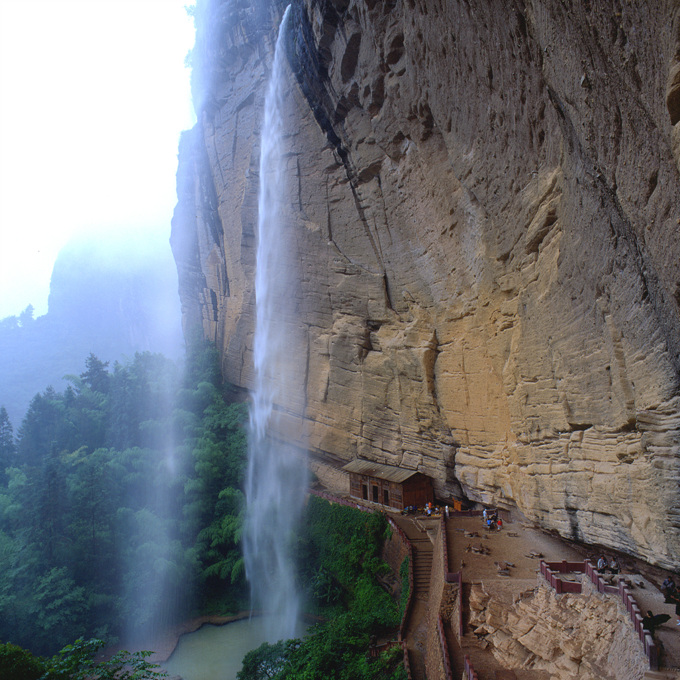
(484, 214)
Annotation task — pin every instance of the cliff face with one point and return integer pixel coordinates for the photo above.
(484, 212)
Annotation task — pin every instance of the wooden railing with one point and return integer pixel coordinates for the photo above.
(446, 658)
(468, 671)
(549, 571)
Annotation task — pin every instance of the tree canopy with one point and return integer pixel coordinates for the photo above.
(120, 502)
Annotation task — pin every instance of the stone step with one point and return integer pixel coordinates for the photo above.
(661, 675)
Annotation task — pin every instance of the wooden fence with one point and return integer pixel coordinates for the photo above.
(446, 657)
(468, 671)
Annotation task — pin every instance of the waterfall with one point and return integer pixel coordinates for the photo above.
(276, 481)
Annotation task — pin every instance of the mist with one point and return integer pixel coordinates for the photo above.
(111, 296)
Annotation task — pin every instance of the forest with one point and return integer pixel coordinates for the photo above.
(121, 512)
(120, 506)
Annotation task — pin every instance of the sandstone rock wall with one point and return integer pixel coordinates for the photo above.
(484, 215)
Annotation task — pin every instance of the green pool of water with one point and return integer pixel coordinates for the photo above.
(215, 652)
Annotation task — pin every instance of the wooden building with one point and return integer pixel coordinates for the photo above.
(388, 485)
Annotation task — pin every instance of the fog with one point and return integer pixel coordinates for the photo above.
(94, 96)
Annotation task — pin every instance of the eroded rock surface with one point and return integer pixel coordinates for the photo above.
(569, 636)
(484, 212)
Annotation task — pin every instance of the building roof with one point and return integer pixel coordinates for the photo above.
(389, 472)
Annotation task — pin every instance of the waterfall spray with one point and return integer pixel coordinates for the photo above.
(276, 481)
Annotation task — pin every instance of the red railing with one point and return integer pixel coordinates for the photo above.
(407, 662)
(468, 671)
(446, 658)
(548, 571)
(601, 585)
(449, 576)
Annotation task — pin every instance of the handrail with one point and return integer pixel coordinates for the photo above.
(446, 658)
(468, 670)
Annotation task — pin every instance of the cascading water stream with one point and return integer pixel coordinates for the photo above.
(276, 481)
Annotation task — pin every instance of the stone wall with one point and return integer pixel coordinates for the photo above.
(395, 551)
(484, 219)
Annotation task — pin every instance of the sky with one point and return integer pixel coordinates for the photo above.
(93, 97)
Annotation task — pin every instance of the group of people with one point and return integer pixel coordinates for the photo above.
(671, 595)
(492, 520)
(429, 509)
(611, 566)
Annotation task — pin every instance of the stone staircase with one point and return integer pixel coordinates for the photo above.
(422, 566)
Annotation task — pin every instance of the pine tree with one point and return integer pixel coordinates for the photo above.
(7, 445)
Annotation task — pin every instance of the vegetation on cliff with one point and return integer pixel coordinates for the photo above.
(340, 565)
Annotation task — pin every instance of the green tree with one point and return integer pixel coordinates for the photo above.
(141, 391)
(19, 664)
(46, 510)
(267, 661)
(59, 607)
(7, 446)
(219, 543)
(76, 662)
(95, 376)
(44, 428)
(93, 502)
(120, 499)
